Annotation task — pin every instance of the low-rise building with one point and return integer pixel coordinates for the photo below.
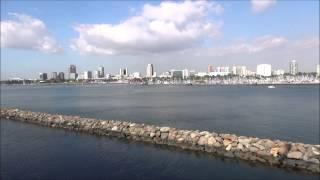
(43, 76)
(264, 70)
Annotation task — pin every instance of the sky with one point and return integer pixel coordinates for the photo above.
(48, 36)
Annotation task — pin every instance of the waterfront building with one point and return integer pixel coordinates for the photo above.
(108, 76)
(72, 69)
(278, 72)
(123, 72)
(234, 70)
(318, 70)
(202, 74)
(61, 76)
(220, 71)
(239, 70)
(136, 75)
(185, 74)
(73, 72)
(264, 70)
(192, 72)
(101, 72)
(96, 74)
(210, 68)
(43, 76)
(150, 70)
(87, 75)
(120, 72)
(166, 75)
(250, 73)
(81, 77)
(54, 75)
(293, 67)
(242, 70)
(154, 74)
(73, 76)
(177, 74)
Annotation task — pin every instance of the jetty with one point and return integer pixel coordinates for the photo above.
(282, 154)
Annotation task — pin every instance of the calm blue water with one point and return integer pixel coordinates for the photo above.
(32, 152)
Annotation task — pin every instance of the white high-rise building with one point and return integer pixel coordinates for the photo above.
(234, 70)
(264, 70)
(293, 67)
(54, 75)
(123, 72)
(318, 70)
(149, 73)
(239, 70)
(185, 73)
(96, 74)
(87, 75)
(243, 71)
(120, 72)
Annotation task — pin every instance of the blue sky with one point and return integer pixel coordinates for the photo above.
(291, 24)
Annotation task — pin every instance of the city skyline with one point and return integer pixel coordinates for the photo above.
(217, 36)
(264, 70)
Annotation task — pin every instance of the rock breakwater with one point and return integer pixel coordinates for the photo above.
(278, 153)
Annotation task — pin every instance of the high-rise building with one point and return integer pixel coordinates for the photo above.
(234, 70)
(210, 68)
(96, 74)
(241, 70)
(61, 76)
(318, 70)
(87, 75)
(54, 75)
(72, 69)
(293, 67)
(149, 73)
(185, 74)
(73, 72)
(43, 76)
(264, 70)
(101, 72)
(123, 72)
(120, 72)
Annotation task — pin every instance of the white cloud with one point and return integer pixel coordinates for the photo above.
(26, 32)
(307, 43)
(169, 26)
(261, 5)
(257, 45)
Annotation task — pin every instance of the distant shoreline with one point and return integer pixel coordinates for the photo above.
(161, 84)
